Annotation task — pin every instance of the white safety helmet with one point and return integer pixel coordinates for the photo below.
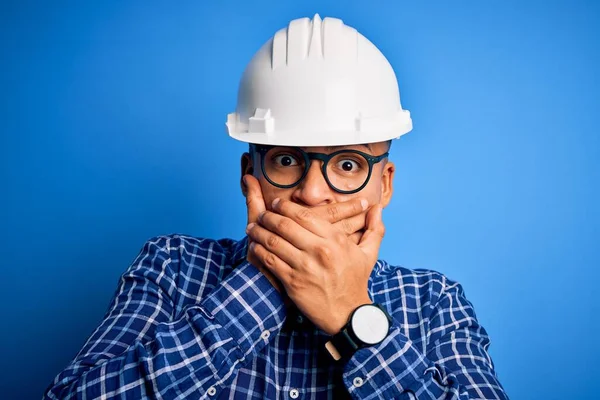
(318, 83)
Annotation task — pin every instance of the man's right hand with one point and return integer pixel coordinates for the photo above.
(348, 216)
(255, 204)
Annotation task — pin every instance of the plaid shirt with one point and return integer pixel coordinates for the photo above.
(192, 319)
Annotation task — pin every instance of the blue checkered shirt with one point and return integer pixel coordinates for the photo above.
(192, 319)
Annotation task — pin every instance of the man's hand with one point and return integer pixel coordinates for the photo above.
(322, 270)
(348, 217)
(256, 205)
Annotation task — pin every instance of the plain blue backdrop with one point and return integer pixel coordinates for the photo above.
(112, 131)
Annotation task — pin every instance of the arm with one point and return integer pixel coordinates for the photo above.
(456, 365)
(326, 276)
(139, 351)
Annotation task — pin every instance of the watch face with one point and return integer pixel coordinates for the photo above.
(370, 324)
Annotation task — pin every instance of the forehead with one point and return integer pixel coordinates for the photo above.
(366, 147)
(370, 148)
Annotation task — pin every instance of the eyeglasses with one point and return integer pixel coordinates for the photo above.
(345, 171)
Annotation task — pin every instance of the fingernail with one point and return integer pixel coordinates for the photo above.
(250, 226)
(364, 204)
(261, 215)
(275, 202)
(245, 180)
(252, 246)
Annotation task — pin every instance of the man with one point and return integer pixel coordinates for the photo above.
(301, 308)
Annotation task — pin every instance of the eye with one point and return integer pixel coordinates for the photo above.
(348, 165)
(285, 160)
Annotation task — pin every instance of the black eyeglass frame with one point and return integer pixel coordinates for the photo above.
(309, 156)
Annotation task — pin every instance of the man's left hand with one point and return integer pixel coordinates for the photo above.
(322, 270)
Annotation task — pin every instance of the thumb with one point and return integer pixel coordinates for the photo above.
(371, 239)
(254, 198)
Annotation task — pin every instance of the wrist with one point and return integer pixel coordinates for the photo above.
(368, 325)
(344, 316)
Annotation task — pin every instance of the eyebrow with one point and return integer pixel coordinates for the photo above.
(331, 149)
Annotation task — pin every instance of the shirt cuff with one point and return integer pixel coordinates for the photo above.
(248, 306)
(388, 368)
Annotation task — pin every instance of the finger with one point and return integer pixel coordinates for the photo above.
(374, 233)
(272, 262)
(305, 217)
(268, 274)
(289, 230)
(274, 243)
(254, 198)
(339, 211)
(356, 237)
(352, 224)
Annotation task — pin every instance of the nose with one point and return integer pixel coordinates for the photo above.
(313, 190)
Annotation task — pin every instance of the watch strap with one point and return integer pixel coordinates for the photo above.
(342, 346)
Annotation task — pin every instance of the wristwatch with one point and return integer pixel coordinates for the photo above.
(368, 325)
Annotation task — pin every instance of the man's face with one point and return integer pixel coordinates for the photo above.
(313, 190)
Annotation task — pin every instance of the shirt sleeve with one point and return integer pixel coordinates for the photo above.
(139, 351)
(456, 364)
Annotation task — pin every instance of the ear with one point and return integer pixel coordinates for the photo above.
(247, 167)
(387, 183)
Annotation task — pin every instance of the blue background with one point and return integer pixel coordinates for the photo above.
(112, 131)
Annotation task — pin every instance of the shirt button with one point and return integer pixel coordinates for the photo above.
(358, 381)
(299, 319)
(212, 391)
(265, 335)
(294, 393)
